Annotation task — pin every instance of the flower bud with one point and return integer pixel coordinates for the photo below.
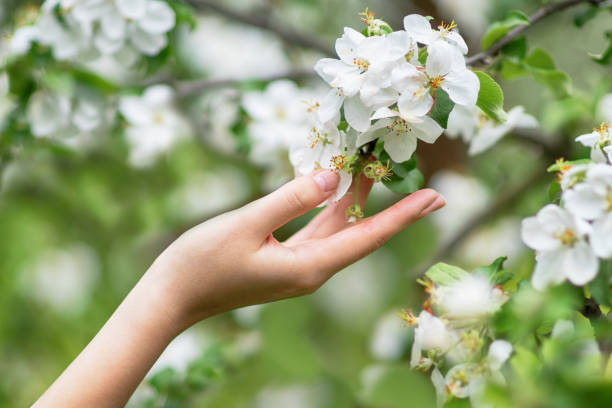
(354, 213)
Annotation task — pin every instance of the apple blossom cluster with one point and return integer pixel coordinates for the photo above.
(452, 337)
(384, 86)
(570, 239)
(87, 29)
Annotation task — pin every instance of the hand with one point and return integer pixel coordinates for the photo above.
(233, 260)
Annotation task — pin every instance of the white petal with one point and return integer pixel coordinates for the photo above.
(148, 44)
(400, 146)
(584, 201)
(535, 237)
(406, 76)
(330, 105)
(397, 45)
(439, 59)
(357, 114)
(580, 264)
(462, 87)
(384, 112)
(462, 122)
(113, 25)
(158, 96)
(428, 131)
(589, 139)
(601, 236)
(486, 137)
(132, 9)
(499, 352)
(375, 132)
(548, 270)
(457, 40)
(135, 111)
(158, 19)
(106, 45)
(419, 28)
(329, 69)
(415, 104)
(47, 113)
(344, 184)
(439, 384)
(346, 45)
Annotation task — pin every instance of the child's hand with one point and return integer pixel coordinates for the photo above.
(233, 260)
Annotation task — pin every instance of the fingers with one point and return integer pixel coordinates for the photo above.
(333, 218)
(351, 244)
(291, 200)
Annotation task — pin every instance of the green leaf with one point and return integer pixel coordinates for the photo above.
(583, 17)
(499, 29)
(412, 182)
(538, 58)
(423, 55)
(554, 192)
(511, 69)
(557, 166)
(516, 48)
(605, 58)
(543, 69)
(163, 380)
(490, 97)
(442, 108)
(493, 269)
(444, 274)
(600, 286)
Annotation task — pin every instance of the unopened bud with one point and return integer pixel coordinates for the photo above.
(354, 213)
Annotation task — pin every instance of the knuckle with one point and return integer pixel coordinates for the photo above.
(295, 200)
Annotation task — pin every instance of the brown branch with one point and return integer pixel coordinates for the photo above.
(193, 87)
(544, 12)
(263, 21)
(504, 201)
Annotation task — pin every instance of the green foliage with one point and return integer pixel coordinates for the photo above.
(444, 274)
(600, 288)
(406, 178)
(442, 108)
(490, 97)
(605, 58)
(499, 29)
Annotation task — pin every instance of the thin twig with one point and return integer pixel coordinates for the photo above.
(263, 21)
(517, 31)
(503, 202)
(188, 88)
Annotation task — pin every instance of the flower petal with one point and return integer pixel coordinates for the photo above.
(158, 19)
(400, 146)
(357, 114)
(148, 44)
(548, 270)
(377, 131)
(419, 28)
(580, 264)
(428, 130)
(601, 236)
(535, 237)
(499, 352)
(462, 87)
(584, 201)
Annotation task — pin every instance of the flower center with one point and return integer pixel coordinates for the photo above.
(312, 106)
(567, 237)
(609, 200)
(399, 126)
(338, 161)
(158, 118)
(361, 63)
(446, 28)
(315, 137)
(281, 113)
(436, 81)
(367, 16)
(409, 318)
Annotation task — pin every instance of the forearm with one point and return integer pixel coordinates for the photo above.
(109, 369)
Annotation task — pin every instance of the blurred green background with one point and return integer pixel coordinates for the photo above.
(78, 229)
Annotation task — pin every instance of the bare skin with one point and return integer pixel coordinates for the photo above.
(227, 262)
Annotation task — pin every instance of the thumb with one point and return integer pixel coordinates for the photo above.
(292, 200)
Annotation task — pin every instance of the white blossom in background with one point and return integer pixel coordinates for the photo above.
(481, 132)
(155, 125)
(74, 120)
(389, 339)
(600, 142)
(63, 278)
(592, 200)
(562, 252)
(500, 237)
(430, 334)
(295, 396)
(465, 197)
(420, 29)
(181, 351)
(85, 30)
(604, 110)
(468, 300)
(260, 53)
(209, 193)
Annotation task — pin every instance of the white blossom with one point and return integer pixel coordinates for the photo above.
(592, 200)
(420, 29)
(600, 142)
(481, 132)
(431, 333)
(468, 300)
(155, 124)
(562, 251)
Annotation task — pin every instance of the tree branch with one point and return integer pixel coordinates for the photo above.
(544, 12)
(263, 21)
(193, 87)
(504, 201)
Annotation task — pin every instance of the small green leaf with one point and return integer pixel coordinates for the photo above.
(516, 48)
(490, 97)
(600, 286)
(494, 268)
(538, 58)
(412, 182)
(444, 274)
(163, 380)
(605, 58)
(543, 69)
(557, 166)
(423, 55)
(499, 29)
(583, 17)
(442, 108)
(554, 192)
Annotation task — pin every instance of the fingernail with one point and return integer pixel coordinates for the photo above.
(436, 205)
(327, 180)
